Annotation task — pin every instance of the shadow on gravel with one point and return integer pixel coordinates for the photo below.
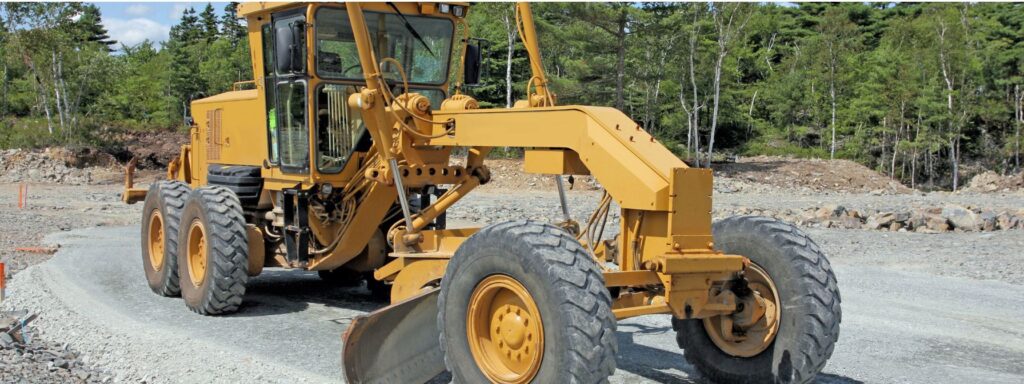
(276, 292)
(827, 378)
(656, 364)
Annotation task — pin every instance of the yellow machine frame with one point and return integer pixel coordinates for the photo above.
(667, 261)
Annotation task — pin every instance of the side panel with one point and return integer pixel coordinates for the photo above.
(230, 131)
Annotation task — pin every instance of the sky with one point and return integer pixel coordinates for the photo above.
(131, 23)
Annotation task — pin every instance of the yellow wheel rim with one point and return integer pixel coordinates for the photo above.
(505, 332)
(156, 240)
(197, 253)
(748, 340)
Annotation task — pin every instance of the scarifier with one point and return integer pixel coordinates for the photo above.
(338, 158)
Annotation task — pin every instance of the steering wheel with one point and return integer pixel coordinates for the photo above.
(350, 68)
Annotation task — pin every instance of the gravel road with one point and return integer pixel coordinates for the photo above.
(918, 307)
(903, 322)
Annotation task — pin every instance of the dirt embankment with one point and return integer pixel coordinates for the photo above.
(89, 165)
(153, 150)
(814, 174)
(761, 174)
(508, 175)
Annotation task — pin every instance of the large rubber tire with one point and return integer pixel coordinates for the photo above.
(222, 286)
(810, 312)
(164, 200)
(563, 280)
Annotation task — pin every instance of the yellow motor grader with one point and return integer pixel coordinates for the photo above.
(345, 153)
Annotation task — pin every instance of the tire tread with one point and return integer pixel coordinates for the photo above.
(228, 251)
(821, 303)
(592, 357)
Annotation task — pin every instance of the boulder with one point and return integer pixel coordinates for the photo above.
(917, 220)
(880, 220)
(961, 218)
(830, 211)
(988, 221)
(1007, 220)
(849, 222)
(901, 217)
(937, 223)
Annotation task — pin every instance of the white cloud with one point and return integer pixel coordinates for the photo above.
(137, 10)
(178, 9)
(133, 31)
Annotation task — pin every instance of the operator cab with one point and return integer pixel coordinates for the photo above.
(310, 67)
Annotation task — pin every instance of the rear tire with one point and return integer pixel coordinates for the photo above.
(538, 271)
(213, 259)
(810, 311)
(161, 217)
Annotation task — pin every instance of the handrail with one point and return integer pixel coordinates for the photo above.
(237, 86)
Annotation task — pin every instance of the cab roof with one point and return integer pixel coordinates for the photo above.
(264, 7)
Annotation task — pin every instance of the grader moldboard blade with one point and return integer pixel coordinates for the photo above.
(395, 344)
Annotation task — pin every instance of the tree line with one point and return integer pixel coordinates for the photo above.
(926, 93)
(922, 92)
(65, 81)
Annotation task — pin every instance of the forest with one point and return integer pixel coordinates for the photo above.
(927, 93)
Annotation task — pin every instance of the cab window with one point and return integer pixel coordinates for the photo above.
(291, 124)
(268, 79)
(339, 127)
(425, 60)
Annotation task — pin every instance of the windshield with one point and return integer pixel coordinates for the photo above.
(424, 62)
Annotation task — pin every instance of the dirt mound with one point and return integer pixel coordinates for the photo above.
(815, 174)
(990, 181)
(152, 149)
(508, 175)
(54, 165)
(86, 165)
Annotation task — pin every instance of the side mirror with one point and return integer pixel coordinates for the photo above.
(471, 69)
(290, 47)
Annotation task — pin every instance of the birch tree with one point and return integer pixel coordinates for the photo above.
(730, 18)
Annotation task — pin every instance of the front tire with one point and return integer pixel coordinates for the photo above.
(809, 316)
(213, 259)
(161, 217)
(524, 302)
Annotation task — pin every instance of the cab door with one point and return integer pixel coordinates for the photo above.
(287, 84)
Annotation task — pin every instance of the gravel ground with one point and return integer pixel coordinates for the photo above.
(95, 355)
(950, 329)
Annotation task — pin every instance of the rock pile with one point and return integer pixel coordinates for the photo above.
(993, 182)
(53, 165)
(24, 358)
(924, 220)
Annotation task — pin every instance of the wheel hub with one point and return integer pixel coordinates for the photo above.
(196, 253)
(751, 329)
(156, 240)
(506, 336)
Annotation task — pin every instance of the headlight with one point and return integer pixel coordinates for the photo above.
(325, 189)
(458, 10)
(444, 8)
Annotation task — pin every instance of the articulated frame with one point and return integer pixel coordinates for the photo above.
(667, 262)
(666, 258)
